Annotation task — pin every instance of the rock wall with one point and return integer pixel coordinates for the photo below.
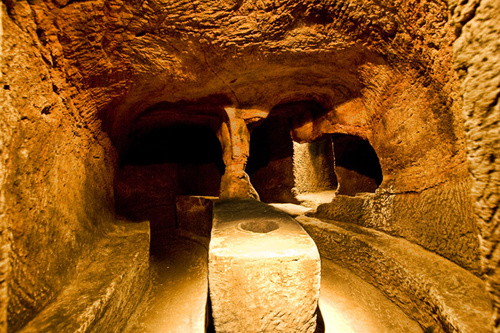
(477, 63)
(415, 129)
(149, 192)
(56, 168)
(431, 218)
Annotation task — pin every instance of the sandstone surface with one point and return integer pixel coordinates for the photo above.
(477, 63)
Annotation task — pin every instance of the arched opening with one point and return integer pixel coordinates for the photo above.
(356, 165)
(163, 163)
(321, 165)
(280, 168)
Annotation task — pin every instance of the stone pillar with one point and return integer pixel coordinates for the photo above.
(235, 140)
(264, 270)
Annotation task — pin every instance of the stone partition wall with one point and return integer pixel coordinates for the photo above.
(313, 166)
(56, 170)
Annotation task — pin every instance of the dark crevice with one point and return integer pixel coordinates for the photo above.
(46, 110)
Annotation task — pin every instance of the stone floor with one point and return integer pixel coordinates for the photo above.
(178, 298)
(350, 305)
(309, 202)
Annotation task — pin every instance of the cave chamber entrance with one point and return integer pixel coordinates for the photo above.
(163, 163)
(282, 169)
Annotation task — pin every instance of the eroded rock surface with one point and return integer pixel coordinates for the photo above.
(477, 63)
(57, 171)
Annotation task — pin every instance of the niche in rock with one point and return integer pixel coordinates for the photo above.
(162, 163)
(356, 165)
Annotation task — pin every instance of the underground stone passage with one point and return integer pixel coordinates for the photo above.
(162, 164)
(280, 168)
(249, 166)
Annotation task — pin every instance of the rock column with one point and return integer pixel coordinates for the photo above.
(235, 139)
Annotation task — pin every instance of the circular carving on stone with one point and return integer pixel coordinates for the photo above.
(261, 227)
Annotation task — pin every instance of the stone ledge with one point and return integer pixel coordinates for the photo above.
(107, 289)
(435, 292)
(344, 208)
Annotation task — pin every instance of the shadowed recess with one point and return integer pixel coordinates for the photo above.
(184, 144)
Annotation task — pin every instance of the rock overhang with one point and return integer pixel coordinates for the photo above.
(129, 56)
(256, 92)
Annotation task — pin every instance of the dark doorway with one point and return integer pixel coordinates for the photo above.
(270, 165)
(279, 168)
(356, 165)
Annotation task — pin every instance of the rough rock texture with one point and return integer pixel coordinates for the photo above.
(56, 166)
(263, 270)
(429, 218)
(438, 294)
(478, 64)
(378, 70)
(313, 167)
(344, 208)
(381, 71)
